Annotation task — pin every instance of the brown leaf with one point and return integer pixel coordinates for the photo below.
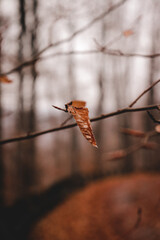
(81, 115)
(5, 79)
(128, 32)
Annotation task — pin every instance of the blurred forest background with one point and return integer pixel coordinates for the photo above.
(74, 69)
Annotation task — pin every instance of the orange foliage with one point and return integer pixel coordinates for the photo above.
(118, 208)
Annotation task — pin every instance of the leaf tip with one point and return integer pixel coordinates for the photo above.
(95, 145)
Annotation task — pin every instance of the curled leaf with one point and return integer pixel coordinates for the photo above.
(81, 115)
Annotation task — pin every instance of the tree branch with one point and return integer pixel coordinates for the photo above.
(144, 143)
(111, 52)
(145, 91)
(64, 110)
(153, 118)
(84, 28)
(68, 39)
(106, 51)
(103, 116)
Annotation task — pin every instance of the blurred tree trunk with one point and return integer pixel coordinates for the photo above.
(121, 78)
(26, 118)
(1, 134)
(154, 45)
(22, 16)
(20, 114)
(101, 88)
(30, 173)
(74, 157)
(33, 67)
(124, 121)
(22, 23)
(151, 96)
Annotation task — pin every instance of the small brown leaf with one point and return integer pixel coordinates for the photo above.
(81, 115)
(5, 79)
(128, 32)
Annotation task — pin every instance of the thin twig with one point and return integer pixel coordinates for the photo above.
(133, 132)
(103, 116)
(145, 91)
(143, 143)
(122, 153)
(84, 28)
(64, 110)
(153, 118)
(65, 121)
(112, 52)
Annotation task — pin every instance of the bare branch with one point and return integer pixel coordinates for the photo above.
(153, 118)
(121, 54)
(68, 39)
(103, 50)
(64, 122)
(103, 116)
(143, 143)
(64, 110)
(133, 132)
(83, 29)
(144, 92)
(151, 145)
(111, 52)
(122, 153)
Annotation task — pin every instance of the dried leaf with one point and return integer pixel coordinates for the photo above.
(128, 32)
(81, 115)
(5, 79)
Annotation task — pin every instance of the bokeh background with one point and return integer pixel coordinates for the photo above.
(76, 69)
